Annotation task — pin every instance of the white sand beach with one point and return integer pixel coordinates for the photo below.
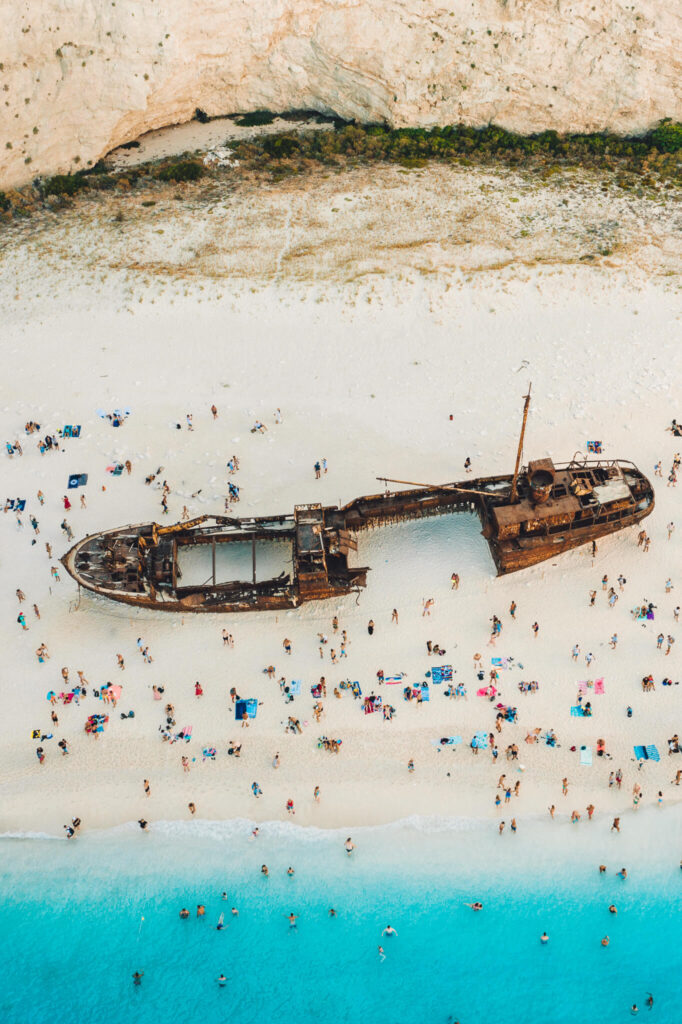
(404, 374)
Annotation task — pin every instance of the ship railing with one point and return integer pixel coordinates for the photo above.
(582, 461)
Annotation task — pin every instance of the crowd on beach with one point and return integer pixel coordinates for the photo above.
(484, 679)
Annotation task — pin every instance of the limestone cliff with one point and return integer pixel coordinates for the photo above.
(79, 77)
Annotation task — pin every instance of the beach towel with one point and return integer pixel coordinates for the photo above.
(486, 691)
(446, 741)
(77, 480)
(586, 757)
(640, 753)
(441, 674)
(391, 680)
(249, 706)
(577, 711)
(186, 734)
(582, 686)
(480, 740)
(599, 686)
(294, 687)
(652, 753)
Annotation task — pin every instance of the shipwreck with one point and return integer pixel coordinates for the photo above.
(534, 514)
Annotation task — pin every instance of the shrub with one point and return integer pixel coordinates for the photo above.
(201, 116)
(667, 137)
(4, 203)
(185, 170)
(281, 146)
(65, 184)
(255, 119)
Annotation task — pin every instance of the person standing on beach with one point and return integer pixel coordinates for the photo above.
(454, 580)
(394, 616)
(316, 794)
(536, 629)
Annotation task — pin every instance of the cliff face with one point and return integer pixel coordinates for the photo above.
(79, 77)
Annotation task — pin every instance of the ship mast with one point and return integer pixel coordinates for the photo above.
(513, 497)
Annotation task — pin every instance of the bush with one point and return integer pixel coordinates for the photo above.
(281, 146)
(4, 203)
(667, 137)
(255, 119)
(186, 170)
(65, 184)
(201, 116)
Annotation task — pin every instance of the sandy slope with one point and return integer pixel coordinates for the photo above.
(367, 377)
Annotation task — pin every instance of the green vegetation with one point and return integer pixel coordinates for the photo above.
(65, 184)
(641, 164)
(412, 147)
(667, 137)
(185, 170)
(255, 119)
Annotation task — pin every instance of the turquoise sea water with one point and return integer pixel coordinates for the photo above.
(78, 918)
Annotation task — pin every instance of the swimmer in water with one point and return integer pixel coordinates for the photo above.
(224, 896)
(602, 869)
(475, 906)
(254, 834)
(382, 955)
(201, 910)
(137, 977)
(264, 870)
(605, 941)
(622, 873)
(292, 920)
(544, 938)
(222, 981)
(649, 1000)
(184, 913)
(389, 930)
(634, 1009)
(290, 872)
(332, 912)
(234, 912)
(613, 909)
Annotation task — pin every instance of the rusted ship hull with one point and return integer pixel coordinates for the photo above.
(552, 509)
(512, 558)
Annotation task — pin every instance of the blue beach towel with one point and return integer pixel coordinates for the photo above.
(577, 711)
(586, 757)
(295, 687)
(652, 753)
(640, 753)
(441, 674)
(480, 740)
(250, 706)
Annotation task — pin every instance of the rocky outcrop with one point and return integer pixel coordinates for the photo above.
(79, 78)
